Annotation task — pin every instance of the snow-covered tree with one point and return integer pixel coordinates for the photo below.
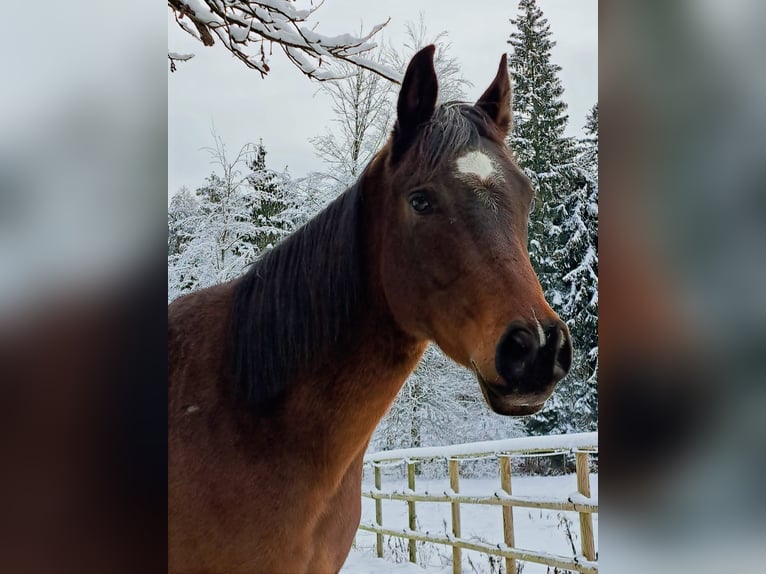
(361, 105)
(272, 205)
(223, 226)
(452, 84)
(182, 207)
(249, 29)
(577, 255)
(574, 405)
(563, 226)
(578, 258)
(543, 151)
(439, 401)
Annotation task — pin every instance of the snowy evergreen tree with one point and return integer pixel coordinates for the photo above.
(182, 207)
(578, 257)
(223, 227)
(543, 151)
(272, 206)
(563, 226)
(574, 405)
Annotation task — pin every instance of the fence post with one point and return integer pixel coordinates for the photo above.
(411, 508)
(586, 518)
(378, 512)
(454, 483)
(505, 483)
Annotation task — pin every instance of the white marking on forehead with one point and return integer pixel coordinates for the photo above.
(476, 163)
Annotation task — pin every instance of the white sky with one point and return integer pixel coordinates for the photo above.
(285, 109)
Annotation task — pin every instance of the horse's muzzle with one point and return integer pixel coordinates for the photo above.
(530, 360)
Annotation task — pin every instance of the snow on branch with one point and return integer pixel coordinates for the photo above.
(250, 29)
(174, 57)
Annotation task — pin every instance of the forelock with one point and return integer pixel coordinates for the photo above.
(454, 129)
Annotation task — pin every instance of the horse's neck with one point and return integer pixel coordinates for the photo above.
(340, 408)
(349, 398)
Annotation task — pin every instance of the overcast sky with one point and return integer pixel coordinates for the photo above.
(285, 109)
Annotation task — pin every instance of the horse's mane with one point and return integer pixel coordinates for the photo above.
(298, 300)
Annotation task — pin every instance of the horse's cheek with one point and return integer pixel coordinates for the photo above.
(402, 284)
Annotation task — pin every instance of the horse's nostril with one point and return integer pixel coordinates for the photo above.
(526, 365)
(515, 351)
(519, 343)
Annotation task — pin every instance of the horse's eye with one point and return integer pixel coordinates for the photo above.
(420, 202)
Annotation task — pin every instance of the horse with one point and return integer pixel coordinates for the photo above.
(278, 378)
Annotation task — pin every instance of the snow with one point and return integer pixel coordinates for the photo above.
(287, 9)
(202, 12)
(539, 530)
(373, 66)
(361, 562)
(179, 56)
(567, 442)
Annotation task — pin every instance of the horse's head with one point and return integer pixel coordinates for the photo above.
(454, 263)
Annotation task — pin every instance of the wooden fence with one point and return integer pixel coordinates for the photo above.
(582, 445)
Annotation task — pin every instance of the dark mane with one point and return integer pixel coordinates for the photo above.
(454, 128)
(298, 300)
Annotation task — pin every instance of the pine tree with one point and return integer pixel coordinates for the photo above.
(563, 228)
(579, 258)
(182, 207)
(542, 150)
(272, 212)
(231, 220)
(574, 405)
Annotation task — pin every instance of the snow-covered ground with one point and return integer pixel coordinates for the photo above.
(361, 561)
(535, 529)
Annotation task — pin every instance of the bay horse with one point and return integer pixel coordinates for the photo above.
(278, 378)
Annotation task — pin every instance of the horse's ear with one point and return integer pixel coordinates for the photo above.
(496, 100)
(417, 99)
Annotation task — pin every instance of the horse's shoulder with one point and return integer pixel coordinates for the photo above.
(197, 325)
(201, 306)
(199, 320)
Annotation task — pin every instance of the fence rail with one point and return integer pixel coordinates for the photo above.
(582, 445)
